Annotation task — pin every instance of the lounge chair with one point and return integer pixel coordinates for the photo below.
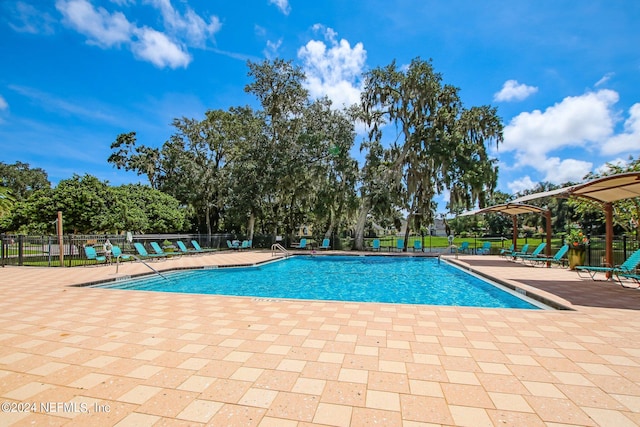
(524, 251)
(626, 268)
(245, 244)
(233, 245)
(375, 245)
(116, 252)
(400, 245)
(301, 245)
(326, 244)
(92, 255)
(183, 248)
(485, 249)
(506, 252)
(536, 252)
(142, 252)
(631, 276)
(417, 245)
(159, 251)
(555, 259)
(464, 248)
(198, 249)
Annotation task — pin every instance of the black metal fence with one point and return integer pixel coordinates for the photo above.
(45, 250)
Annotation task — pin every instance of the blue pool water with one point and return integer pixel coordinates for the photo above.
(339, 278)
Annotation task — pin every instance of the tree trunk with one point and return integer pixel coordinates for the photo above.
(406, 233)
(251, 225)
(362, 221)
(332, 223)
(208, 219)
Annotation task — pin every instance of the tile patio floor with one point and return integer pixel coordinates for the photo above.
(87, 356)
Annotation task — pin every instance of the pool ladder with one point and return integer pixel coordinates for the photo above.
(278, 248)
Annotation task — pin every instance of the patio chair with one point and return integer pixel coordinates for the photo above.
(159, 251)
(462, 249)
(626, 268)
(184, 250)
(143, 254)
(632, 276)
(326, 244)
(375, 245)
(400, 245)
(485, 249)
(524, 251)
(555, 259)
(536, 252)
(506, 252)
(92, 255)
(198, 249)
(417, 245)
(233, 245)
(116, 252)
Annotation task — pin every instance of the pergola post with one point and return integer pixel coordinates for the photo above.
(547, 250)
(608, 215)
(515, 232)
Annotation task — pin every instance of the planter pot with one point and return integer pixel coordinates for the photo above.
(576, 256)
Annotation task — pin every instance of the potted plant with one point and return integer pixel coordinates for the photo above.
(578, 242)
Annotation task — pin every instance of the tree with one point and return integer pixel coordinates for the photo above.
(439, 144)
(22, 180)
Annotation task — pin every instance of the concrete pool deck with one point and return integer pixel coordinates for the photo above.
(88, 356)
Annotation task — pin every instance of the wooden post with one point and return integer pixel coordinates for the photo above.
(60, 239)
(515, 232)
(548, 247)
(608, 215)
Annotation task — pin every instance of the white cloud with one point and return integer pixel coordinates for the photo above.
(604, 79)
(271, 51)
(514, 91)
(283, 5)
(163, 49)
(522, 184)
(629, 140)
(24, 18)
(156, 48)
(3, 104)
(101, 27)
(561, 171)
(575, 121)
(195, 30)
(333, 71)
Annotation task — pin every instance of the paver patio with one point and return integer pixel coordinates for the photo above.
(89, 356)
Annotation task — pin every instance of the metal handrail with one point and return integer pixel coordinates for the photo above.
(278, 247)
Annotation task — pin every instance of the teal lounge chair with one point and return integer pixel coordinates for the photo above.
(556, 259)
(143, 254)
(626, 268)
(485, 249)
(326, 244)
(634, 277)
(198, 249)
(116, 252)
(506, 252)
(301, 245)
(375, 245)
(524, 251)
(536, 252)
(232, 245)
(417, 245)
(159, 251)
(92, 255)
(400, 245)
(464, 248)
(183, 248)
(245, 244)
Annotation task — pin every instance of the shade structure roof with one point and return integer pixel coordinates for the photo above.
(605, 190)
(507, 208)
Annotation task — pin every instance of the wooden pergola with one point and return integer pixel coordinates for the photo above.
(515, 209)
(603, 191)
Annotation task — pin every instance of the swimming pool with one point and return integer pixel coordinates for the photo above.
(400, 280)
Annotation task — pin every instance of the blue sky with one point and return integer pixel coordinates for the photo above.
(564, 75)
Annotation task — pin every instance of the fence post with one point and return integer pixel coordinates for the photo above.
(21, 249)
